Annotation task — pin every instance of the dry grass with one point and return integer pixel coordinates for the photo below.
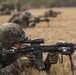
(61, 28)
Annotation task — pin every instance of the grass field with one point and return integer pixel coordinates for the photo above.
(62, 27)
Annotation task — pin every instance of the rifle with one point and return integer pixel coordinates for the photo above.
(63, 48)
(38, 20)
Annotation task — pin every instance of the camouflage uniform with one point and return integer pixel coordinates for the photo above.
(21, 18)
(50, 13)
(11, 33)
(16, 68)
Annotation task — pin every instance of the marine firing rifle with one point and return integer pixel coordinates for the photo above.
(28, 23)
(51, 13)
(35, 46)
(38, 20)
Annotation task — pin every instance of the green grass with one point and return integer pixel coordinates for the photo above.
(55, 2)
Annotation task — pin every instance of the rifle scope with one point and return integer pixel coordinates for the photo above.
(34, 41)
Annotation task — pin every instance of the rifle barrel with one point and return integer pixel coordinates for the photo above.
(44, 48)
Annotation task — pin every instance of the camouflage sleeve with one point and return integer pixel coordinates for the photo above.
(14, 18)
(16, 68)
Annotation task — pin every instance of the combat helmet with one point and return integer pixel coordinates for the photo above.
(26, 14)
(10, 33)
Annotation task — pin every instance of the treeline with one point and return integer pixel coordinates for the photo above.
(44, 3)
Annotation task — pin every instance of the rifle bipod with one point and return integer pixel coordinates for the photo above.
(72, 65)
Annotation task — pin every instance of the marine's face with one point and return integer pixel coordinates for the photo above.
(18, 45)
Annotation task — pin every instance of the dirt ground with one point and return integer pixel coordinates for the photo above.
(63, 27)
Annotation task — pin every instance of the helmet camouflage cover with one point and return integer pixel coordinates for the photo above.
(10, 33)
(26, 14)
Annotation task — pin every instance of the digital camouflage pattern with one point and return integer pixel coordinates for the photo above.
(14, 65)
(16, 68)
(10, 33)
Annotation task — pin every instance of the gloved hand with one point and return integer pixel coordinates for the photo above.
(52, 57)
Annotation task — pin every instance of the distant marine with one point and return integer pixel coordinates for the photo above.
(6, 8)
(51, 13)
